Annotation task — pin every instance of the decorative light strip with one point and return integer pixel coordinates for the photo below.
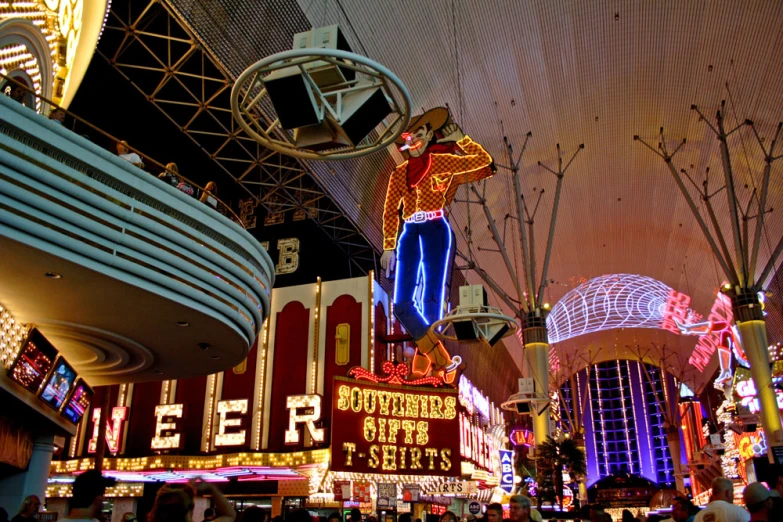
(74, 440)
(165, 462)
(614, 301)
(12, 336)
(635, 420)
(261, 384)
(123, 489)
(121, 395)
(164, 391)
(206, 444)
(371, 313)
(316, 333)
(646, 419)
(601, 414)
(625, 416)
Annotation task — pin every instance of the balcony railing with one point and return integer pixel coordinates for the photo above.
(133, 236)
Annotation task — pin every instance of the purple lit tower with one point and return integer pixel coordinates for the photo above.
(624, 430)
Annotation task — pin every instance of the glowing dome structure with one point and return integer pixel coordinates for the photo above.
(616, 301)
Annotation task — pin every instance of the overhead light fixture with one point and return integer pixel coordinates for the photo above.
(53, 275)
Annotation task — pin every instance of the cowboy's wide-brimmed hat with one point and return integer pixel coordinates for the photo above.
(436, 118)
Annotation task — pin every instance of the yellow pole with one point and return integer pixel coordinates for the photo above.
(749, 318)
(754, 341)
(537, 349)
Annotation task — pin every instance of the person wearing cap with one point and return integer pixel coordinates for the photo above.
(87, 496)
(758, 501)
(439, 158)
(721, 507)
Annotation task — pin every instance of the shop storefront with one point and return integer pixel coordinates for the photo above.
(316, 417)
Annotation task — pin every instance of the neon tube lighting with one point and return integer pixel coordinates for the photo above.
(611, 301)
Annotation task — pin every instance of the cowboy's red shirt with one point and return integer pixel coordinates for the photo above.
(436, 189)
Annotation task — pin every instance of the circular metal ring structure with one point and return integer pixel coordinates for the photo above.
(484, 318)
(251, 105)
(534, 401)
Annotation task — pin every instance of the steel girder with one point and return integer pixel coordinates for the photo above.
(155, 50)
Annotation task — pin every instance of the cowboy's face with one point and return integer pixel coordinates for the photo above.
(417, 141)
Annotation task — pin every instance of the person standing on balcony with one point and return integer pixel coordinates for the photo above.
(209, 196)
(170, 175)
(440, 158)
(125, 153)
(57, 116)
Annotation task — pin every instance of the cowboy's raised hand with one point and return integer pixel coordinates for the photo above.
(451, 132)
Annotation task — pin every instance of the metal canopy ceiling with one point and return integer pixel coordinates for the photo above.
(596, 73)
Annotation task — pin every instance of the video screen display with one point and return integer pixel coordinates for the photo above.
(78, 403)
(34, 361)
(59, 384)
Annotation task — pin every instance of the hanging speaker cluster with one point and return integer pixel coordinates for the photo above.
(324, 103)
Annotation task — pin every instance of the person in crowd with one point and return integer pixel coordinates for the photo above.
(597, 513)
(170, 175)
(3, 515)
(254, 514)
(125, 153)
(129, 517)
(372, 518)
(406, 517)
(186, 187)
(57, 116)
(210, 194)
(87, 496)
(334, 517)
(758, 500)
(210, 514)
(175, 503)
(299, 515)
(775, 481)
(721, 506)
(29, 509)
(683, 510)
(628, 516)
(18, 91)
(448, 516)
(494, 513)
(356, 515)
(519, 508)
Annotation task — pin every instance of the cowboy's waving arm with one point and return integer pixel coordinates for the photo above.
(476, 164)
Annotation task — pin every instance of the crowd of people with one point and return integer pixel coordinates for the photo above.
(176, 503)
(171, 176)
(21, 93)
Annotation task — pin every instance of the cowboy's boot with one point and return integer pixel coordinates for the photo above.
(420, 365)
(430, 347)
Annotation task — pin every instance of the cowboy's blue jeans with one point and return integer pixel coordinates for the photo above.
(424, 257)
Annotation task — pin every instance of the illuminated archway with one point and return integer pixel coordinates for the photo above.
(616, 301)
(24, 48)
